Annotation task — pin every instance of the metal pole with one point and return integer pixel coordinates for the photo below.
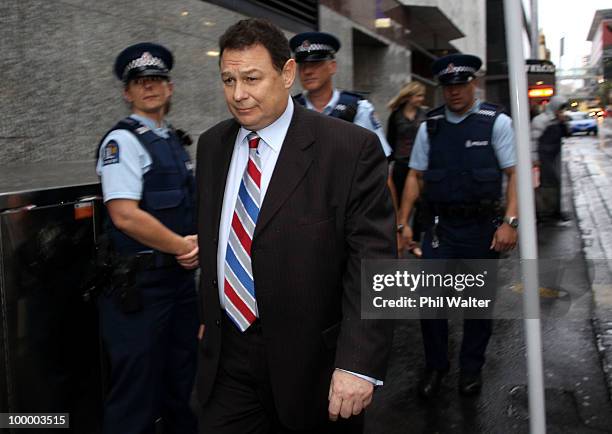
(535, 31)
(527, 233)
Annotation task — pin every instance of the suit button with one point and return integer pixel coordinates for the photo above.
(214, 282)
(215, 240)
(218, 322)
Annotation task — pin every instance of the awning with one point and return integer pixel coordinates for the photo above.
(428, 25)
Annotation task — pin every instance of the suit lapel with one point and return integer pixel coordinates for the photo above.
(222, 157)
(294, 160)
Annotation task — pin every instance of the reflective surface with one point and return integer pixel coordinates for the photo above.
(50, 359)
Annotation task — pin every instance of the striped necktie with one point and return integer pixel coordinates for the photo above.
(239, 287)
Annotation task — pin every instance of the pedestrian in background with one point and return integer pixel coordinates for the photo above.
(460, 154)
(149, 314)
(290, 203)
(547, 132)
(407, 113)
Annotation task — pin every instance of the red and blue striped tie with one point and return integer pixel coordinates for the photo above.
(239, 287)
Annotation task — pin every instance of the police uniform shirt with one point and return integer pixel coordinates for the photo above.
(123, 161)
(502, 140)
(365, 117)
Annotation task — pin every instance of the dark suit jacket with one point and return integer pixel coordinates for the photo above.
(326, 207)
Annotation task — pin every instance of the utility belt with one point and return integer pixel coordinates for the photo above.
(470, 210)
(124, 289)
(434, 211)
(145, 261)
(113, 275)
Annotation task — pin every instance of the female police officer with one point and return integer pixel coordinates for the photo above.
(149, 315)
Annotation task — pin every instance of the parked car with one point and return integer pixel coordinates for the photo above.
(581, 122)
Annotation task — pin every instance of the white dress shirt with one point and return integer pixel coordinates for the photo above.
(270, 144)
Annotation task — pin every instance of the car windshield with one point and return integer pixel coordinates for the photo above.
(579, 116)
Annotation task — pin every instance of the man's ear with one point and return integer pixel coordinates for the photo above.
(288, 73)
(333, 66)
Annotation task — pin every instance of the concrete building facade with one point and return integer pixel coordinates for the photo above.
(60, 95)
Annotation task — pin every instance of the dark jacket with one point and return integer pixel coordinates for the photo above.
(401, 132)
(327, 206)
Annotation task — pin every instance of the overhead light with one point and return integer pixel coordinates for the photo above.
(209, 23)
(212, 53)
(539, 83)
(184, 13)
(382, 23)
(541, 92)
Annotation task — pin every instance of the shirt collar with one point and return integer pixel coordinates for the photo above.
(274, 134)
(149, 123)
(452, 115)
(329, 107)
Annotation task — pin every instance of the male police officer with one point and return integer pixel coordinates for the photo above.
(149, 315)
(314, 54)
(460, 154)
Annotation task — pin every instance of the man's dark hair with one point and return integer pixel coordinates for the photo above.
(253, 31)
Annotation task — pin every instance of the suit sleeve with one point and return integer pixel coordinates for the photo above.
(363, 345)
(198, 178)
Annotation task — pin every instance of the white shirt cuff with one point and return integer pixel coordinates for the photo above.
(374, 381)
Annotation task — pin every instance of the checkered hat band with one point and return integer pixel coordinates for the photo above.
(456, 69)
(314, 47)
(145, 60)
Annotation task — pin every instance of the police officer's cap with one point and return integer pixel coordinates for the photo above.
(314, 46)
(145, 59)
(456, 68)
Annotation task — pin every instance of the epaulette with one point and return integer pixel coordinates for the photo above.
(488, 109)
(353, 94)
(436, 113)
(433, 117)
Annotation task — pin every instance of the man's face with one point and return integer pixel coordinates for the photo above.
(459, 97)
(148, 94)
(255, 92)
(316, 75)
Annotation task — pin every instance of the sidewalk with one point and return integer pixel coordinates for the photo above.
(589, 166)
(577, 349)
(577, 396)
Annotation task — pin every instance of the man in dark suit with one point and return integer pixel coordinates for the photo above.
(289, 203)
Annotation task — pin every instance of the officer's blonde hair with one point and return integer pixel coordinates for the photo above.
(410, 89)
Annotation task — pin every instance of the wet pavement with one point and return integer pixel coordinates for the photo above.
(589, 165)
(577, 393)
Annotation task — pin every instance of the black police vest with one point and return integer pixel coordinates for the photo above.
(346, 107)
(168, 192)
(462, 166)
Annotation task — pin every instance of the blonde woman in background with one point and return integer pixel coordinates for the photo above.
(407, 113)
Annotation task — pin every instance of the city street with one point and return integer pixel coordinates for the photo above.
(577, 389)
(188, 189)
